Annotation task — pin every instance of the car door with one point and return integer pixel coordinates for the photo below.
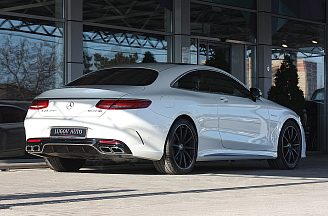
(197, 100)
(12, 141)
(243, 123)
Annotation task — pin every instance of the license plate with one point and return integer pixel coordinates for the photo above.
(78, 133)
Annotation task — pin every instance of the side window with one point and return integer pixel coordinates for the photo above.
(223, 84)
(10, 114)
(192, 81)
(319, 96)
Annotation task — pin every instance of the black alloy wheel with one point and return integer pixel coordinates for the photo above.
(289, 147)
(183, 147)
(180, 149)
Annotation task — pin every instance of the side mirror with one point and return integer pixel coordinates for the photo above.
(255, 93)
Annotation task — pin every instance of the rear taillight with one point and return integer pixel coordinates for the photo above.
(109, 142)
(34, 140)
(123, 104)
(39, 104)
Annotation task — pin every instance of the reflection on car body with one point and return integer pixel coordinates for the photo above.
(172, 114)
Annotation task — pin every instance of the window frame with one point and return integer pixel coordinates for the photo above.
(186, 73)
(232, 78)
(210, 91)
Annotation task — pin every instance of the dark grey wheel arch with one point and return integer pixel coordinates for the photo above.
(288, 155)
(167, 164)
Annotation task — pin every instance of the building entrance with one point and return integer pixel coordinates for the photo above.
(236, 59)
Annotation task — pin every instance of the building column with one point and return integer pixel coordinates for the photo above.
(264, 46)
(323, 125)
(237, 64)
(181, 31)
(73, 40)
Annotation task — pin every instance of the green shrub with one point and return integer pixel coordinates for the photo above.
(286, 91)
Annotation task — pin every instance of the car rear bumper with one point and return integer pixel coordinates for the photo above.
(77, 148)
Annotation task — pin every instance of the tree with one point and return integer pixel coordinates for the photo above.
(218, 60)
(148, 57)
(14, 61)
(103, 62)
(86, 63)
(100, 61)
(44, 67)
(286, 91)
(27, 68)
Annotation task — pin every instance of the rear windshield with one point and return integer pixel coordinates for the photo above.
(118, 76)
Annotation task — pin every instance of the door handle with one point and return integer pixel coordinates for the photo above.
(224, 99)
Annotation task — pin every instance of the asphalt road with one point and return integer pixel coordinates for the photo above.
(220, 188)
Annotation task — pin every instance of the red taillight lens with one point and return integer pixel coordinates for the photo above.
(109, 142)
(123, 104)
(34, 140)
(39, 104)
(105, 104)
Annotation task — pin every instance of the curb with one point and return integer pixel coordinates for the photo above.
(6, 165)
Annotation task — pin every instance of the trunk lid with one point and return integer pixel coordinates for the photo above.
(81, 101)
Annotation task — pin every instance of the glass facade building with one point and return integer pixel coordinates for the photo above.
(45, 44)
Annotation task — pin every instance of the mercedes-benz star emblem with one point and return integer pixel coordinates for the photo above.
(70, 105)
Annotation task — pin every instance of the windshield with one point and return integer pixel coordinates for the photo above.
(117, 76)
(318, 95)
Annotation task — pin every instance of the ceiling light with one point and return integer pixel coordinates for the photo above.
(284, 45)
(314, 41)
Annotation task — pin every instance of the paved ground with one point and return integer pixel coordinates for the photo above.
(222, 188)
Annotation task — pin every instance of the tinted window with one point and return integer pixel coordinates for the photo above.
(223, 84)
(319, 96)
(192, 81)
(118, 76)
(11, 114)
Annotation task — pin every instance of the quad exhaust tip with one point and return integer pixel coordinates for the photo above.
(108, 149)
(34, 148)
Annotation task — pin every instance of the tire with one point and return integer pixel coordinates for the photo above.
(64, 164)
(180, 151)
(289, 147)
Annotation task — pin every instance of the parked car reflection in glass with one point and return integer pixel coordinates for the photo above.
(314, 108)
(12, 132)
